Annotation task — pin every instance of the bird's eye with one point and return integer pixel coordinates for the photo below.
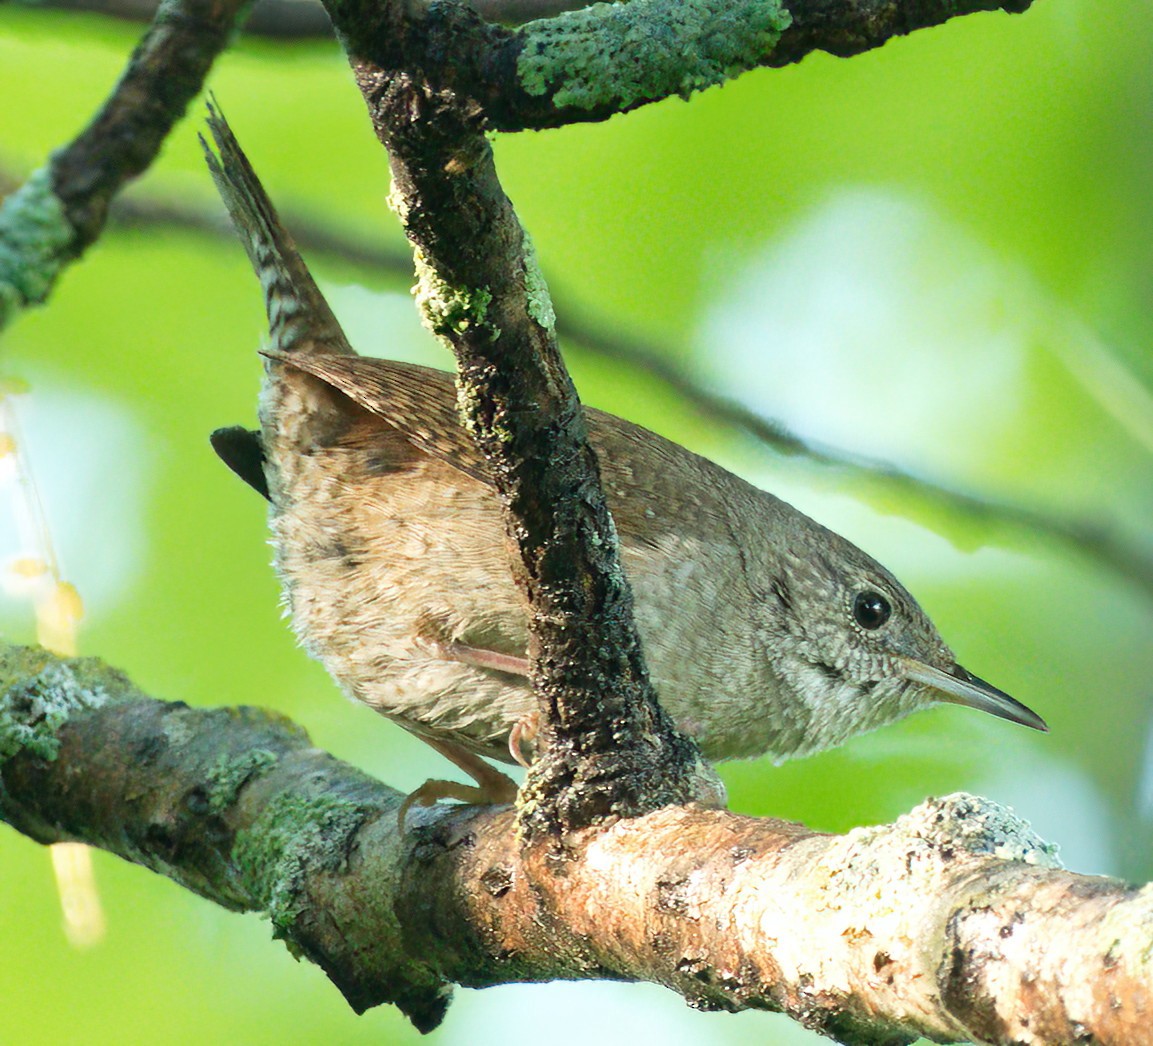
(871, 610)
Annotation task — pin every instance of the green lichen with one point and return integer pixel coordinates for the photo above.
(35, 236)
(295, 834)
(468, 407)
(624, 53)
(38, 694)
(229, 775)
(448, 310)
(539, 302)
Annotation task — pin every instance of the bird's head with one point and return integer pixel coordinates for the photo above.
(861, 642)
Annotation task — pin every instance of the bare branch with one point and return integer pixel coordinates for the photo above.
(49, 221)
(953, 923)
(281, 19)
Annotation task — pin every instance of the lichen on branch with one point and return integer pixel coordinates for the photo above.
(955, 922)
(34, 236)
(624, 53)
(59, 212)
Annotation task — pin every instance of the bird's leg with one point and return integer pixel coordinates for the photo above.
(491, 659)
(523, 731)
(491, 785)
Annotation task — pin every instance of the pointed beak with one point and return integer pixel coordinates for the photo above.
(959, 687)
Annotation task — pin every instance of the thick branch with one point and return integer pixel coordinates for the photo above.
(953, 923)
(61, 209)
(233, 804)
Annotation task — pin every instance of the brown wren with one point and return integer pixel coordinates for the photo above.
(765, 633)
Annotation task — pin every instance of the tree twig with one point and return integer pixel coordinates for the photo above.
(60, 210)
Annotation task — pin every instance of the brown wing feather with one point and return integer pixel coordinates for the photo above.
(419, 402)
(640, 469)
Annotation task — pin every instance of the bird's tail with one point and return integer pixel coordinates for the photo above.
(299, 319)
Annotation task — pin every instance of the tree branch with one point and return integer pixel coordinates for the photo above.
(953, 923)
(610, 747)
(59, 212)
(593, 63)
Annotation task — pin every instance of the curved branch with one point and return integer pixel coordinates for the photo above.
(589, 64)
(953, 923)
(60, 210)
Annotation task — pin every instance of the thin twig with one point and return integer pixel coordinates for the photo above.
(58, 213)
(1095, 538)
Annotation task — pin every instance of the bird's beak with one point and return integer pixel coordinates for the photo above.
(960, 687)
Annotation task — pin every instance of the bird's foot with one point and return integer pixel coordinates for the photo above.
(523, 732)
(491, 788)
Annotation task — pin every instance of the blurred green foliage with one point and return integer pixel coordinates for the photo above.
(1026, 136)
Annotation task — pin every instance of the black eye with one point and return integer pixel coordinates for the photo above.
(871, 610)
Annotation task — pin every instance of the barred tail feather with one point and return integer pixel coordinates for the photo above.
(299, 319)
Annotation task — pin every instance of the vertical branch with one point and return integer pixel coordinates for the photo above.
(610, 748)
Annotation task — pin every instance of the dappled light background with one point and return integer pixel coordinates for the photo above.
(937, 254)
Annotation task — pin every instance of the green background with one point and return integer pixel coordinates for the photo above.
(939, 253)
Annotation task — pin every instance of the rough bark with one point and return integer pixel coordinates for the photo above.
(955, 922)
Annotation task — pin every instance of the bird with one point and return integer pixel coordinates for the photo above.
(765, 632)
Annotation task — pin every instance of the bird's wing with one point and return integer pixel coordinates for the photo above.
(638, 467)
(418, 402)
